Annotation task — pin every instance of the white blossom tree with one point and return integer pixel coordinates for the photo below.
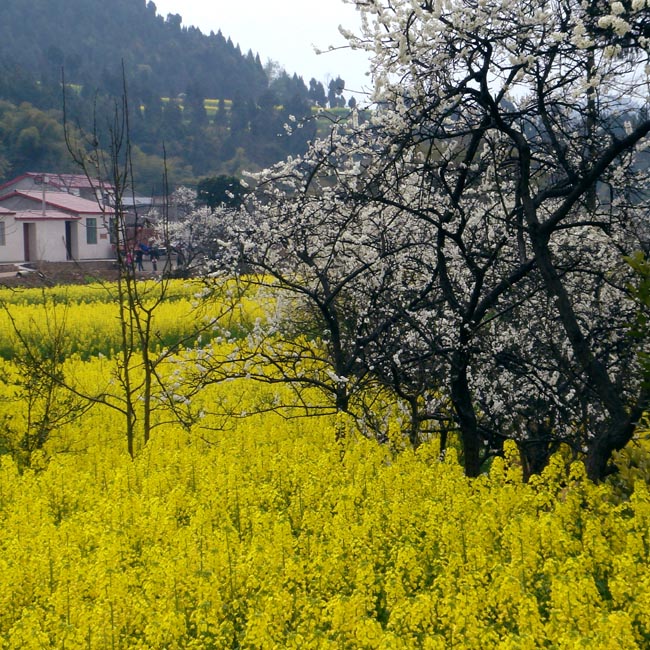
(324, 258)
(470, 237)
(194, 232)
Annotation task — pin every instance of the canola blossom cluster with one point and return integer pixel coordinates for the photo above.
(276, 533)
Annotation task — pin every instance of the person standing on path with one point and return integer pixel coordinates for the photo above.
(138, 259)
(153, 253)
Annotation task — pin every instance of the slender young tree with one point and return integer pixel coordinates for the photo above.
(142, 363)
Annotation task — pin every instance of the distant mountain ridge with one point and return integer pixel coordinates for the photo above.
(170, 71)
(91, 38)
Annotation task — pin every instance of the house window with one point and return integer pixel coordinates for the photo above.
(91, 231)
(3, 240)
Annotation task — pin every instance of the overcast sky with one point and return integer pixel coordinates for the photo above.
(283, 30)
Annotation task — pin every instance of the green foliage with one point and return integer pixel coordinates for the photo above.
(90, 40)
(632, 463)
(31, 139)
(220, 191)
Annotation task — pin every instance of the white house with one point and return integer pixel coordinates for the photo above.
(40, 225)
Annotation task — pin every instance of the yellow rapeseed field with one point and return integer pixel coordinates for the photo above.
(91, 315)
(264, 532)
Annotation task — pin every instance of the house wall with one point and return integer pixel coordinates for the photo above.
(20, 203)
(48, 241)
(24, 183)
(102, 249)
(13, 249)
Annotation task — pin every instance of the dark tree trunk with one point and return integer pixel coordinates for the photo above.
(462, 401)
(444, 435)
(621, 429)
(535, 454)
(612, 439)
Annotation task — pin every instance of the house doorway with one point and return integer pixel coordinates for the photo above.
(71, 242)
(29, 240)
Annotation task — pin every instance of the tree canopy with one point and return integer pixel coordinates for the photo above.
(220, 191)
(464, 250)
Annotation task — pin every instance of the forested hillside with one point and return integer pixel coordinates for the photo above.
(170, 72)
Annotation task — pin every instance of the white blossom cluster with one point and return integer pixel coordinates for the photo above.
(462, 247)
(194, 232)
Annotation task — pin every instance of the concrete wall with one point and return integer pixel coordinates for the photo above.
(102, 249)
(13, 249)
(47, 241)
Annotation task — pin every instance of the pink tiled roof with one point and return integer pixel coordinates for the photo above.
(65, 181)
(68, 180)
(61, 200)
(5, 211)
(37, 215)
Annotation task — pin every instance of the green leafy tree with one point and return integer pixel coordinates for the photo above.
(317, 92)
(221, 191)
(335, 93)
